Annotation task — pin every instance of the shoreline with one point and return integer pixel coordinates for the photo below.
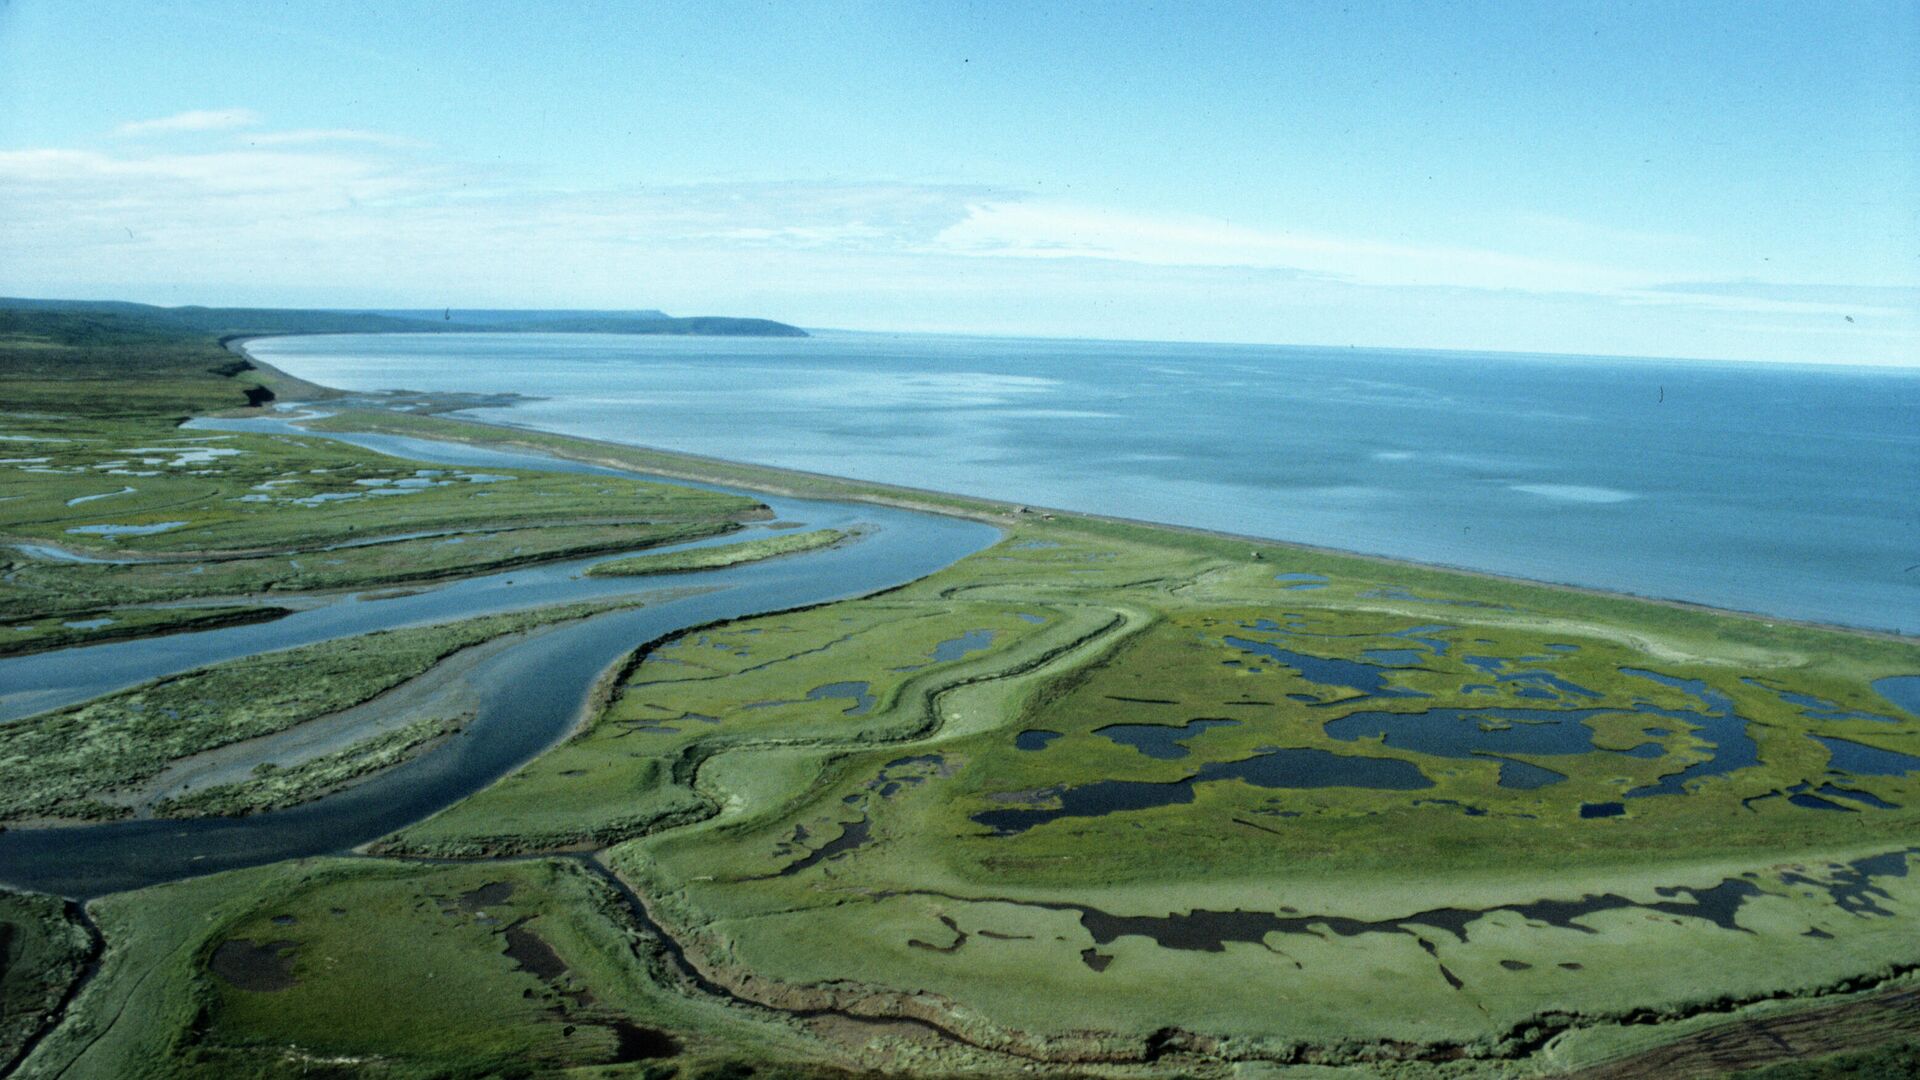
(763, 477)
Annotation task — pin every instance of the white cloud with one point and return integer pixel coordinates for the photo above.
(172, 184)
(1890, 302)
(1056, 230)
(308, 136)
(328, 212)
(190, 121)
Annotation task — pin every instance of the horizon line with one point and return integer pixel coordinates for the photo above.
(1893, 365)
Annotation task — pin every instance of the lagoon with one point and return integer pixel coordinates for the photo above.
(1789, 490)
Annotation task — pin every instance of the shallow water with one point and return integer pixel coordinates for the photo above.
(1848, 756)
(1818, 708)
(125, 530)
(1468, 733)
(855, 692)
(970, 642)
(1903, 691)
(1034, 739)
(1777, 488)
(1733, 747)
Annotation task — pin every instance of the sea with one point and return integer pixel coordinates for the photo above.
(1787, 490)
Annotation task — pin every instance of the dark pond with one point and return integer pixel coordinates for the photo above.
(1814, 802)
(1034, 739)
(1423, 635)
(1834, 791)
(1903, 691)
(1394, 657)
(955, 648)
(1733, 748)
(1538, 684)
(855, 692)
(1467, 733)
(1297, 768)
(1369, 679)
(1860, 759)
(1162, 741)
(902, 773)
(852, 835)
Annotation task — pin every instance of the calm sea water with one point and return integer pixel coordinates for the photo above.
(1789, 490)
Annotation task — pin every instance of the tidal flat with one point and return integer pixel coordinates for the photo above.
(1082, 797)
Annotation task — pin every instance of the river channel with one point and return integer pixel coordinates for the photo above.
(531, 695)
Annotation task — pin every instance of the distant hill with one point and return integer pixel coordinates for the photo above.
(112, 358)
(227, 322)
(243, 322)
(515, 316)
(696, 326)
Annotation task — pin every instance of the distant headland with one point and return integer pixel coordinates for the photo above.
(239, 322)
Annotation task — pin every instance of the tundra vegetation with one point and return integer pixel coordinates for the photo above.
(1102, 799)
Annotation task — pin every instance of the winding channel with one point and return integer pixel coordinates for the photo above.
(530, 695)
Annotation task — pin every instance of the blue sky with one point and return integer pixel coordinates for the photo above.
(1693, 179)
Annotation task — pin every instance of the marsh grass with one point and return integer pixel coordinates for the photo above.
(715, 558)
(43, 951)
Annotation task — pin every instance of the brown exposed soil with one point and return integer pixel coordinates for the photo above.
(535, 956)
(636, 1043)
(259, 968)
(1746, 1044)
(492, 894)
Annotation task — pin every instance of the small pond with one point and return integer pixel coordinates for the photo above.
(1295, 768)
(969, 642)
(1034, 739)
(856, 692)
(125, 530)
(1367, 678)
(1860, 759)
(1162, 741)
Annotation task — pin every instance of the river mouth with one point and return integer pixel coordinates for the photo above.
(530, 695)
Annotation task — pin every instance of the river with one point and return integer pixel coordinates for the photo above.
(531, 696)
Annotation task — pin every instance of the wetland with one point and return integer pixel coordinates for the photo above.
(471, 749)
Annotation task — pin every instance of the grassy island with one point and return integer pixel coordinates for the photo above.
(714, 558)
